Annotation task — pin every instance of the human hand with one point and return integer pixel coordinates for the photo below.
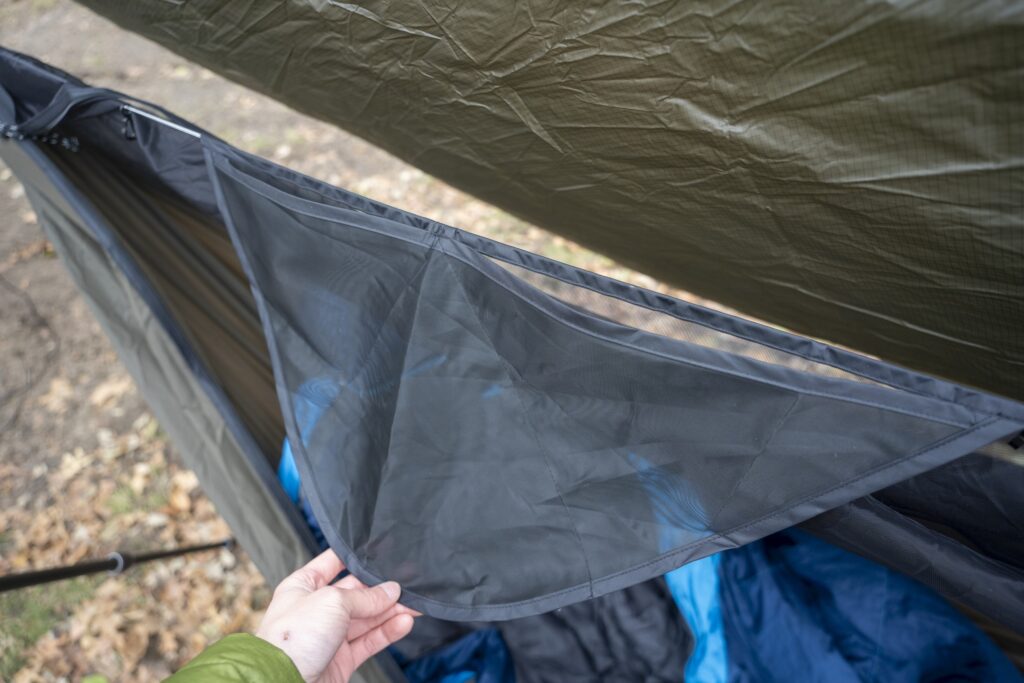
(328, 631)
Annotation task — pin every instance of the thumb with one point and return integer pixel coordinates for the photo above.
(367, 602)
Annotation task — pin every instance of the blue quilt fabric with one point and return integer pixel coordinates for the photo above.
(795, 608)
(480, 656)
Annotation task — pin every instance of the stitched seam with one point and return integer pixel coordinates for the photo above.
(300, 447)
(280, 197)
(325, 211)
(329, 201)
(713, 368)
(620, 344)
(682, 316)
(512, 374)
(872, 374)
(304, 183)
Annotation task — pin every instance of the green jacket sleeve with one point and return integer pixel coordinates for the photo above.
(239, 658)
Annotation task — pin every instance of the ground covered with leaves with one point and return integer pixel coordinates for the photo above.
(139, 626)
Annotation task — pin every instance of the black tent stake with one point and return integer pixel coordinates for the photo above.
(114, 563)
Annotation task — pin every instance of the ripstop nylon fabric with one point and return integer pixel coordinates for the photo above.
(848, 169)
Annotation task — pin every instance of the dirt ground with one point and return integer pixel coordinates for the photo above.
(84, 470)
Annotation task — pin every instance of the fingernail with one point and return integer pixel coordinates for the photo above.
(392, 589)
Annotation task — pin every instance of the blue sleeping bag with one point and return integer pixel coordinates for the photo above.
(794, 608)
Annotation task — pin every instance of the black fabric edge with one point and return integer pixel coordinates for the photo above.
(940, 454)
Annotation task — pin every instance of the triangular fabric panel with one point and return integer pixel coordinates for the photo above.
(465, 419)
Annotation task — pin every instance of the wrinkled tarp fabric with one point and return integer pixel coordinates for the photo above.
(443, 349)
(850, 170)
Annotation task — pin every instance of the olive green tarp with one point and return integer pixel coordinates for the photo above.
(852, 171)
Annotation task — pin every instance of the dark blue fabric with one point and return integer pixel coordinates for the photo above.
(798, 609)
(479, 656)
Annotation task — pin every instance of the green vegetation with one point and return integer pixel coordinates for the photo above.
(29, 613)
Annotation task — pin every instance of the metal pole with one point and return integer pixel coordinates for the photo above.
(115, 563)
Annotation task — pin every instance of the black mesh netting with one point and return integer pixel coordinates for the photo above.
(504, 440)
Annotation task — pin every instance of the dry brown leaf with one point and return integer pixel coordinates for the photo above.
(57, 395)
(148, 622)
(111, 390)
